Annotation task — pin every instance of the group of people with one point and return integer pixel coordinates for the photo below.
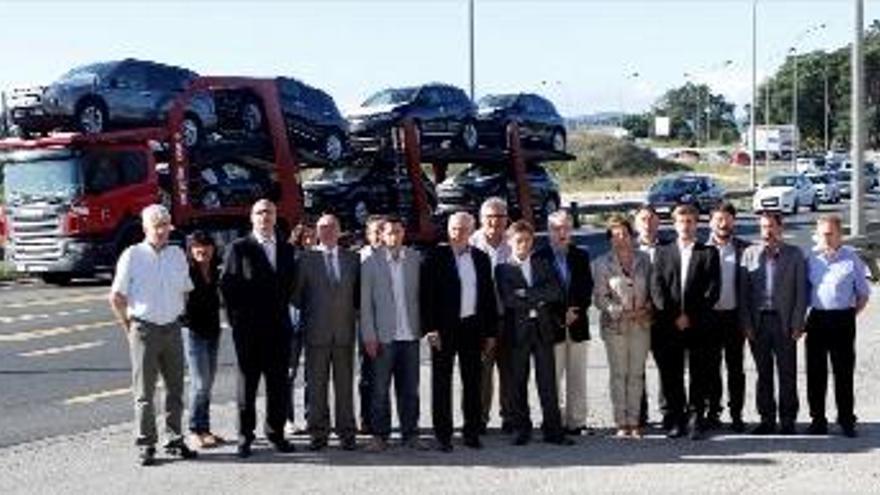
(497, 303)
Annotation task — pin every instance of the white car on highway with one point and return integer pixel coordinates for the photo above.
(786, 192)
(826, 186)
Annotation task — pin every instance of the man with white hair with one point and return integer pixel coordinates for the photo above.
(492, 240)
(148, 297)
(460, 317)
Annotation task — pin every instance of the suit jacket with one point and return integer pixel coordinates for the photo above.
(441, 293)
(523, 301)
(378, 306)
(701, 286)
(328, 308)
(789, 286)
(256, 295)
(618, 297)
(577, 294)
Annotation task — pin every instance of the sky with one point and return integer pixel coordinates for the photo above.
(583, 54)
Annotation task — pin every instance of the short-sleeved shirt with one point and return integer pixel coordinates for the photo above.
(154, 282)
(837, 280)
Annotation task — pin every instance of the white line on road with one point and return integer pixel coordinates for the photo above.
(52, 332)
(52, 351)
(91, 398)
(42, 316)
(56, 301)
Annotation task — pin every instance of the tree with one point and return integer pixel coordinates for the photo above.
(691, 107)
(638, 125)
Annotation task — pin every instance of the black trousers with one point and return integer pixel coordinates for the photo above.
(728, 342)
(831, 333)
(267, 358)
(464, 342)
(674, 349)
(773, 348)
(545, 376)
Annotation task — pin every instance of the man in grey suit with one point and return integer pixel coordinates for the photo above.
(327, 292)
(390, 331)
(773, 302)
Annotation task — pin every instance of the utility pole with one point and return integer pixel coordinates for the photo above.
(857, 213)
(827, 106)
(471, 45)
(753, 133)
(767, 121)
(794, 113)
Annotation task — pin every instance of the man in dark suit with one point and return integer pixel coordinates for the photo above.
(685, 286)
(530, 293)
(327, 291)
(729, 339)
(459, 315)
(572, 272)
(257, 281)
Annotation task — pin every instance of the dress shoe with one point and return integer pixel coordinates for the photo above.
(483, 428)
(283, 446)
(178, 448)
(377, 445)
(522, 438)
(677, 431)
(507, 427)
(317, 443)
(147, 456)
(713, 422)
(473, 442)
(787, 428)
(575, 432)
(764, 428)
(818, 427)
(668, 421)
(737, 425)
(849, 430)
(560, 439)
(348, 443)
(243, 451)
(444, 446)
(415, 443)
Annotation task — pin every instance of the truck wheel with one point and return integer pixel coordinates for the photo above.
(469, 138)
(91, 117)
(333, 147)
(190, 131)
(557, 141)
(62, 279)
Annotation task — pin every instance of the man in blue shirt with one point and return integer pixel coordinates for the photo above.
(838, 292)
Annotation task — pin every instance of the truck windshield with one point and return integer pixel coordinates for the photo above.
(40, 176)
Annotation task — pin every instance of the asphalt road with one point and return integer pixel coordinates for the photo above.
(64, 363)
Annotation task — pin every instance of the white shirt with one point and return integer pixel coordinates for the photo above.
(365, 252)
(268, 245)
(155, 283)
(648, 248)
(769, 274)
(467, 274)
(526, 267)
(727, 256)
(333, 255)
(497, 254)
(685, 250)
(398, 289)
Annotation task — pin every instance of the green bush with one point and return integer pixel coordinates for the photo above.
(606, 156)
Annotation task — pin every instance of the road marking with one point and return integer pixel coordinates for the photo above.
(91, 398)
(52, 351)
(52, 332)
(108, 394)
(42, 316)
(56, 301)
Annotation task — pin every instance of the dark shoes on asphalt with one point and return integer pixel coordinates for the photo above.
(178, 448)
(282, 445)
(764, 428)
(147, 456)
(473, 442)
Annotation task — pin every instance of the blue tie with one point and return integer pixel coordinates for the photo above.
(562, 266)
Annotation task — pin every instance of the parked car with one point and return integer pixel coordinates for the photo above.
(467, 190)
(675, 189)
(315, 126)
(355, 192)
(109, 95)
(540, 125)
(443, 115)
(230, 182)
(808, 164)
(826, 186)
(786, 192)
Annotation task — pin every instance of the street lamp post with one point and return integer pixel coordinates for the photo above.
(794, 111)
(471, 45)
(753, 172)
(857, 212)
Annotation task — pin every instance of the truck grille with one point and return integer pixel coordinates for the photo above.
(36, 239)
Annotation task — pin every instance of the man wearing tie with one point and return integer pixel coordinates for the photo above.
(685, 286)
(773, 300)
(460, 317)
(574, 276)
(256, 283)
(530, 293)
(327, 291)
